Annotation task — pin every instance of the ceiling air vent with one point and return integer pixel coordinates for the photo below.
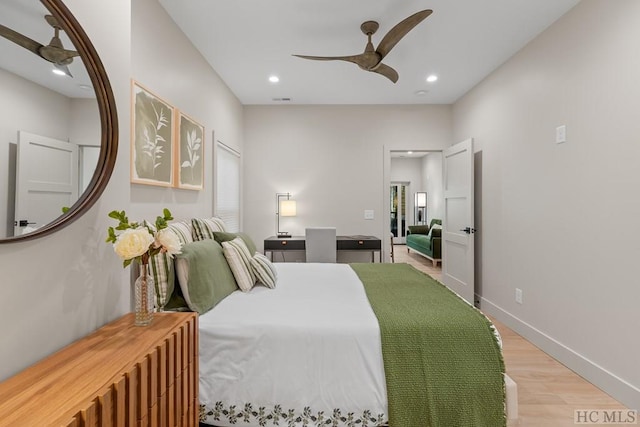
(281, 99)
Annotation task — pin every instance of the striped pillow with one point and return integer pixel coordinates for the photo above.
(264, 270)
(182, 230)
(239, 260)
(161, 265)
(203, 228)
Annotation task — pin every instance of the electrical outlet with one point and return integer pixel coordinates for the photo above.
(519, 295)
(368, 214)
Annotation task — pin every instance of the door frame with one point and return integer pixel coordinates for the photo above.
(386, 193)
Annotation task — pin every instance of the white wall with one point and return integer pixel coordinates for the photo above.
(58, 288)
(560, 221)
(84, 121)
(433, 185)
(165, 62)
(332, 159)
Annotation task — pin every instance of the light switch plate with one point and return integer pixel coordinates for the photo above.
(368, 214)
(561, 134)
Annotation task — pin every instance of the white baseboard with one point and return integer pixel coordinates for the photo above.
(616, 387)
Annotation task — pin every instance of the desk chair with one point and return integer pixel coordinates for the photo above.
(320, 244)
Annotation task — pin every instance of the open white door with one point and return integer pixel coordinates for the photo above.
(458, 226)
(46, 181)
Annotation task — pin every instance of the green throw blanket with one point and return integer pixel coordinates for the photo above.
(442, 362)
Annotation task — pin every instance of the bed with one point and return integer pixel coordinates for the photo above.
(312, 352)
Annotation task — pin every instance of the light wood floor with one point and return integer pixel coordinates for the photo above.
(548, 392)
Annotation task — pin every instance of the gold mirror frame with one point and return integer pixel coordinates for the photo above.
(108, 121)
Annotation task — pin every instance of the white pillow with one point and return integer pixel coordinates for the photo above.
(264, 270)
(239, 259)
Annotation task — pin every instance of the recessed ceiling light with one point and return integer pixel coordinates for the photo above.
(58, 72)
(409, 152)
(274, 79)
(85, 87)
(420, 92)
(432, 78)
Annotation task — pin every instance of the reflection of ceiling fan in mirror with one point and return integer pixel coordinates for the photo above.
(54, 52)
(371, 59)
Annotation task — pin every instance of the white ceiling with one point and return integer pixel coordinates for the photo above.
(462, 42)
(27, 17)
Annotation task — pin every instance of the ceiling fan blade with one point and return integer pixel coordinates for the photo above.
(352, 58)
(400, 30)
(20, 39)
(386, 71)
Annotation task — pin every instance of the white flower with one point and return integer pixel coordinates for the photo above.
(169, 242)
(133, 243)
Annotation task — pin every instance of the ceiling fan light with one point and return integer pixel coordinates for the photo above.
(432, 78)
(274, 79)
(61, 70)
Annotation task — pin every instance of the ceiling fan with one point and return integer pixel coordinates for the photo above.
(371, 59)
(54, 52)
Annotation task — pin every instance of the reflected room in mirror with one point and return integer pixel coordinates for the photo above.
(50, 124)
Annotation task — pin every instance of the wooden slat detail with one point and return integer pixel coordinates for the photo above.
(195, 366)
(89, 416)
(152, 375)
(120, 375)
(162, 367)
(105, 408)
(132, 397)
(142, 392)
(180, 403)
(120, 402)
(185, 392)
(74, 422)
(171, 405)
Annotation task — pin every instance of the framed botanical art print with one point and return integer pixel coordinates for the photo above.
(152, 142)
(190, 153)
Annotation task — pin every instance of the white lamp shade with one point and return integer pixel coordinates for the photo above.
(421, 200)
(288, 208)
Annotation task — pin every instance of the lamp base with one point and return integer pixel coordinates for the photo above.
(284, 235)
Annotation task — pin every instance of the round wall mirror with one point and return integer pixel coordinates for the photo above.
(58, 123)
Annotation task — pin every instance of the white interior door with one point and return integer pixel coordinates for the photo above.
(46, 180)
(458, 226)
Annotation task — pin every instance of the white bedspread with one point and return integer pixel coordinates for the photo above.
(312, 342)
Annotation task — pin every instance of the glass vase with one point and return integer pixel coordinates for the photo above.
(144, 294)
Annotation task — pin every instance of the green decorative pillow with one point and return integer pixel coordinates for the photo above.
(203, 228)
(239, 260)
(264, 270)
(221, 236)
(419, 229)
(204, 275)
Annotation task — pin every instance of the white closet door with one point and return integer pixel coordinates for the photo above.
(46, 180)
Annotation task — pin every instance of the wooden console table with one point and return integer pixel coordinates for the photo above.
(120, 375)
